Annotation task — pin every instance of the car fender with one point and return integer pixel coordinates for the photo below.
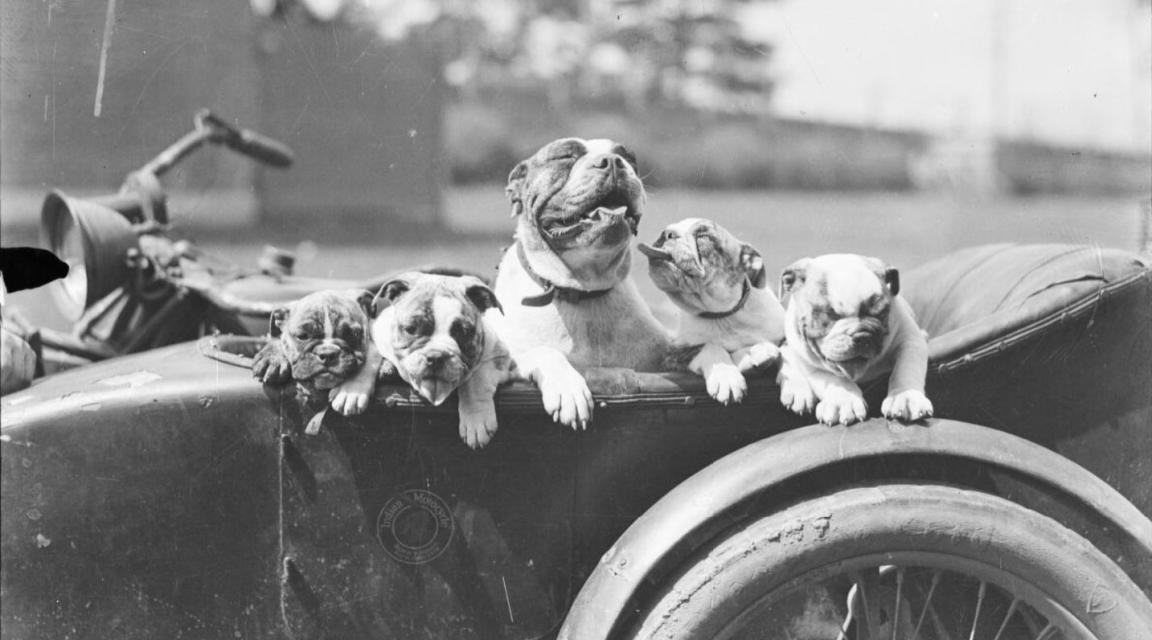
(740, 476)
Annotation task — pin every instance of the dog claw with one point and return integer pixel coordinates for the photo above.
(910, 405)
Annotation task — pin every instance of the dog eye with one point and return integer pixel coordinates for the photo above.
(462, 331)
(353, 334)
(410, 329)
(825, 316)
(301, 335)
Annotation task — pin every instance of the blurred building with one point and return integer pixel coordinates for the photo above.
(91, 90)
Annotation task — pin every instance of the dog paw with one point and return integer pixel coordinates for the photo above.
(841, 407)
(351, 397)
(567, 398)
(907, 406)
(477, 429)
(759, 356)
(797, 396)
(725, 383)
(271, 366)
(348, 403)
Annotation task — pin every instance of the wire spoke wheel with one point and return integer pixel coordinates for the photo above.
(899, 562)
(906, 596)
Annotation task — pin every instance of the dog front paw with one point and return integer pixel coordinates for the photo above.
(907, 406)
(477, 428)
(567, 398)
(759, 356)
(351, 397)
(271, 366)
(839, 406)
(725, 383)
(349, 402)
(797, 395)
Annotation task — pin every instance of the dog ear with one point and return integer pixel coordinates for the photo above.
(515, 187)
(753, 266)
(892, 280)
(389, 292)
(367, 301)
(276, 321)
(793, 276)
(480, 295)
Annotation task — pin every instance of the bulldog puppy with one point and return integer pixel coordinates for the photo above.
(845, 325)
(718, 283)
(320, 341)
(569, 301)
(438, 334)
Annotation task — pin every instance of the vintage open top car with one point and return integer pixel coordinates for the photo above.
(168, 495)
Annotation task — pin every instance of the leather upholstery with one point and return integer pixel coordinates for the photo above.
(981, 294)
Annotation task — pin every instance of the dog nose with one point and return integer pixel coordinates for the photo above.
(866, 336)
(435, 358)
(607, 161)
(327, 352)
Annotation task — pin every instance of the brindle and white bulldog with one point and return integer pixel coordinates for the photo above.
(718, 283)
(436, 331)
(319, 341)
(567, 295)
(845, 324)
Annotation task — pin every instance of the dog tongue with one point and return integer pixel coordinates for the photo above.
(433, 390)
(652, 252)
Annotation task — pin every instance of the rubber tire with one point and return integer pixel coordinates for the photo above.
(743, 567)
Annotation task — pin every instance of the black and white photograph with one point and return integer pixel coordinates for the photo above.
(576, 320)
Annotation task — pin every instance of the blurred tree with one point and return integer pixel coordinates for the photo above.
(685, 52)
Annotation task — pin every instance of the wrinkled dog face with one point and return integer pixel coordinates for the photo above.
(578, 194)
(434, 329)
(841, 304)
(701, 266)
(324, 335)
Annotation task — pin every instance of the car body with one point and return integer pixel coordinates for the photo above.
(168, 494)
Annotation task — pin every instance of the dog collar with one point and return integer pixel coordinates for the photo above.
(551, 291)
(717, 315)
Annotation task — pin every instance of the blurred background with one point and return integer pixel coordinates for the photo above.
(897, 128)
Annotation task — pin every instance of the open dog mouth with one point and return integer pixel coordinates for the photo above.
(615, 205)
(435, 389)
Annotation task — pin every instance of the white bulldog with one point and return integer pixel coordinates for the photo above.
(718, 284)
(845, 324)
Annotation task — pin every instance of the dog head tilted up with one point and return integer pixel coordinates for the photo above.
(717, 281)
(579, 203)
(434, 331)
(838, 310)
(702, 267)
(323, 336)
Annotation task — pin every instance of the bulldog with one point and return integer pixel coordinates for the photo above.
(718, 283)
(568, 298)
(436, 330)
(320, 341)
(845, 324)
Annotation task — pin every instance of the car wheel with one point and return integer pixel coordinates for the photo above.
(904, 561)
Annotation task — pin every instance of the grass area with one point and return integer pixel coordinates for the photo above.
(905, 229)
